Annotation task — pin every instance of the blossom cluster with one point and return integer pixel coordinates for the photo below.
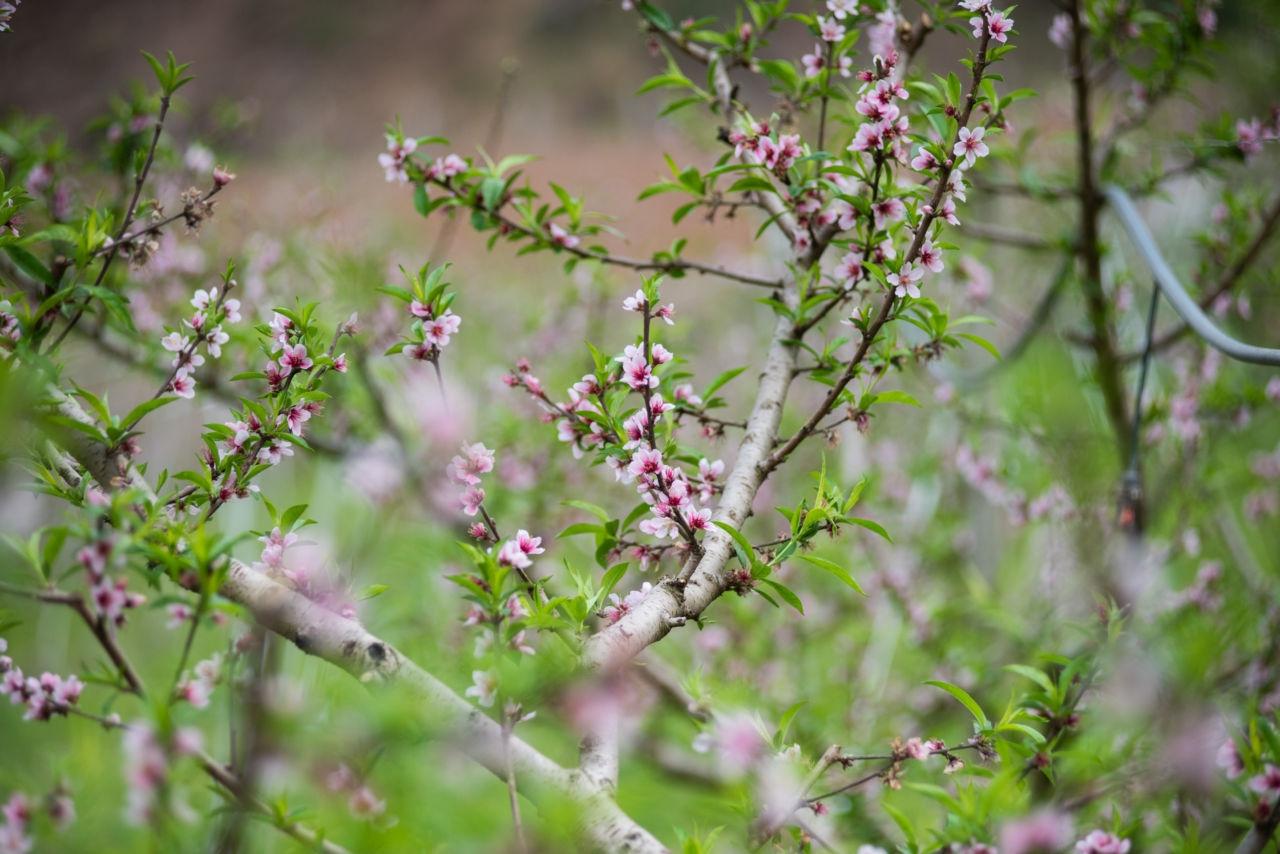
(197, 687)
(213, 307)
(465, 470)
(1252, 133)
(435, 329)
(147, 765)
(361, 799)
(305, 576)
(109, 595)
(45, 697)
(19, 812)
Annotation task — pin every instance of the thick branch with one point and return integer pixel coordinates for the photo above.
(1097, 309)
(348, 645)
(674, 601)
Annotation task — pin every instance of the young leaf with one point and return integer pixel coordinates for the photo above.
(834, 568)
(965, 699)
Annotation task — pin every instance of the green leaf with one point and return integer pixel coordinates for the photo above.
(142, 409)
(981, 342)
(753, 183)
(787, 594)
(1031, 732)
(1036, 676)
(875, 527)
(721, 381)
(895, 396)
(374, 590)
(743, 542)
(29, 264)
(965, 699)
(579, 528)
(834, 568)
(784, 722)
(595, 510)
(611, 579)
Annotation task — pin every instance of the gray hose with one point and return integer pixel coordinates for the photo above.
(1173, 290)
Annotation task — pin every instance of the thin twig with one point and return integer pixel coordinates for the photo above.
(139, 180)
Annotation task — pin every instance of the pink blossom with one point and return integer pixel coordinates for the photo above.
(646, 462)
(882, 36)
(685, 394)
(17, 811)
(1273, 390)
(850, 268)
(635, 370)
(528, 544)
(438, 330)
(869, 137)
(830, 30)
(562, 238)
(915, 748)
(1268, 782)
(841, 8)
(467, 467)
(737, 741)
(948, 212)
(521, 645)
(1249, 136)
(977, 279)
(667, 313)
(905, 282)
(484, 687)
(179, 613)
(294, 358)
(363, 803)
(196, 692)
(61, 809)
(421, 351)
(1060, 31)
(511, 555)
(930, 257)
(448, 166)
(636, 303)
(471, 499)
(889, 210)
(1000, 26)
(1046, 830)
(1101, 842)
(970, 146)
(924, 160)
(393, 159)
(814, 62)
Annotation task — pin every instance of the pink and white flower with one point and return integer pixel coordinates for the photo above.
(906, 282)
(484, 687)
(294, 358)
(970, 146)
(1101, 842)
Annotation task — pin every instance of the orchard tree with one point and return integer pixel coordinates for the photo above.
(855, 170)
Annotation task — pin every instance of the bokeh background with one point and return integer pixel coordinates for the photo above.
(294, 96)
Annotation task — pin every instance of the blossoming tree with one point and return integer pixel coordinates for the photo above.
(856, 174)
